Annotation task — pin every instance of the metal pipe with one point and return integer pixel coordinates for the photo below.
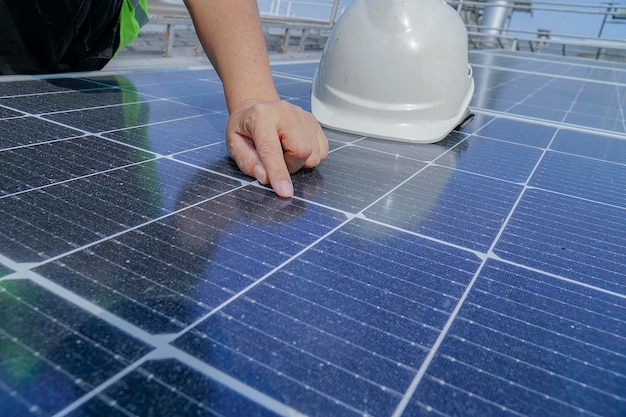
(608, 10)
(333, 14)
(538, 6)
(493, 21)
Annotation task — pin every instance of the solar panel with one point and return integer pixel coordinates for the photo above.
(142, 274)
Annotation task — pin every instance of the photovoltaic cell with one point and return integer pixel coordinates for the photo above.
(176, 136)
(450, 205)
(170, 388)
(54, 102)
(30, 167)
(68, 215)
(519, 326)
(23, 131)
(141, 273)
(590, 179)
(420, 152)
(6, 113)
(507, 161)
(42, 86)
(518, 132)
(562, 235)
(330, 316)
(214, 158)
(180, 89)
(129, 113)
(164, 276)
(4, 271)
(354, 178)
(592, 146)
(53, 352)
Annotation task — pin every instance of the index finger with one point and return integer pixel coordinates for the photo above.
(269, 148)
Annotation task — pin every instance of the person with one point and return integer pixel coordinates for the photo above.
(267, 137)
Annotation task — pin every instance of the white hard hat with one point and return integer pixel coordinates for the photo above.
(395, 69)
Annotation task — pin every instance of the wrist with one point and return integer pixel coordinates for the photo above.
(248, 89)
(246, 103)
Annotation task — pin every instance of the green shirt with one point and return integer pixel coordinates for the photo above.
(133, 16)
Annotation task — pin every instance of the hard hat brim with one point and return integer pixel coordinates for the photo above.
(388, 124)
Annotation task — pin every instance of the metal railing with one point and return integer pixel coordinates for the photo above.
(318, 10)
(299, 25)
(544, 40)
(289, 25)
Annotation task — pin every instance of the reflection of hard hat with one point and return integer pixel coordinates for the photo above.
(395, 69)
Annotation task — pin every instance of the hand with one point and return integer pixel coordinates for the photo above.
(268, 140)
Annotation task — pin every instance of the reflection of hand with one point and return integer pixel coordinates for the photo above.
(271, 139)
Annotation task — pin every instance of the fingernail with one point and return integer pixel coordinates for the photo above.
(259, 174)
(284, 188)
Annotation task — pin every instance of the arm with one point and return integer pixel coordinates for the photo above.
(266, 137)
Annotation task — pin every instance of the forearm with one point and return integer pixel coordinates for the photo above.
(267, 138)
(231, 34)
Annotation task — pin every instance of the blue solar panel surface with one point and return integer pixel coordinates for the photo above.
(141, 274)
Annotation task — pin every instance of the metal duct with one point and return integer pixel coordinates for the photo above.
(493, 21)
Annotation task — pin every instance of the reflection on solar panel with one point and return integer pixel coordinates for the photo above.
(142, 274)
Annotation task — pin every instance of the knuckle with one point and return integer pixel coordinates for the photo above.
(256, 110)
(312, 162)
(323, 155)
(248, 122)
(302, 149)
